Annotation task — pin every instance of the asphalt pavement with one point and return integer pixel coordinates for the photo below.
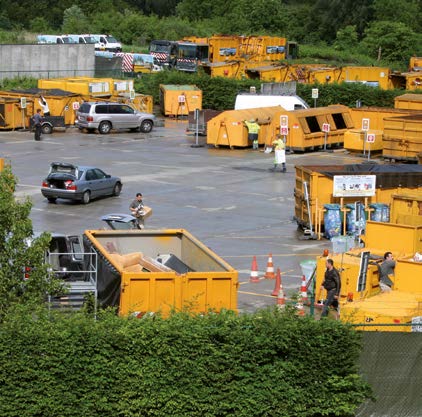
(228, 198)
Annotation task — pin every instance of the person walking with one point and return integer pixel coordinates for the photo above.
(279, 153)
(332, 285)
(386, 269)
(37, 119)
(137, 209)
(253, 130)
(44, 106)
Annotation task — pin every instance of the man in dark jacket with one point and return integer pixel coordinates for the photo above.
(37, 119)
(332, 284)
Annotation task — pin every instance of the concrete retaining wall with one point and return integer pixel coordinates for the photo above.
(47, 61)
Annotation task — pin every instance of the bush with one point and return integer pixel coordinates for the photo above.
(268, 363)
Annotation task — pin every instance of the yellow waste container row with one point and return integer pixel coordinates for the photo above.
(179, 100)
(140, 284)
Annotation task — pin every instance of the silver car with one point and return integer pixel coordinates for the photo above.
(81, 183)
(105, 116)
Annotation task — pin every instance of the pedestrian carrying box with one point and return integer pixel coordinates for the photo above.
(132, 278)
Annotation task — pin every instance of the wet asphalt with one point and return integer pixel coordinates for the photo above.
(227, 198)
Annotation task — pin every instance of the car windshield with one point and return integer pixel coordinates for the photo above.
(111, 39)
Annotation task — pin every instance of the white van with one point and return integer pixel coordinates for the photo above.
(84, 39)
(49, 39)
(254, 100)
(107, 43)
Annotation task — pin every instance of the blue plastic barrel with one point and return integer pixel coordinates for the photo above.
(332, 220)
(355, 223)
(380, 213)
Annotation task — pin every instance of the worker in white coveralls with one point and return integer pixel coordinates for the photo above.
(279, 153)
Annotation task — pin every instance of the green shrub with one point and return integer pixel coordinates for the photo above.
(269, 363)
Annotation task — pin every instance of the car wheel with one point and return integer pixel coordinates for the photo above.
(104, 128)
(146, 126)
(47, 129)
(86, 197)
(117, 189)
(51, 199)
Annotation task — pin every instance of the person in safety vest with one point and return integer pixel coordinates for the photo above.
(279, 153)
(253, 129)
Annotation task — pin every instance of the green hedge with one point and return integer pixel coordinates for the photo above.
(269, 363)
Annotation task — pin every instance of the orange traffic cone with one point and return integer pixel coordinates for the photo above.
(304, 290)
(254, 271)
(281, 300)
(277, 283)
(299, 306)
(269, 273)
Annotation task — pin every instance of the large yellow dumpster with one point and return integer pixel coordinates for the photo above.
(266, 72)
(354, 141)
(403, 137)
(228, 128)
(161, 270)
(384, 311)
(406, 208)
(374, 76)
(408, 102)
(229, 69)
(375, 115)
(306, 127)
(12, 115)
(179, 100)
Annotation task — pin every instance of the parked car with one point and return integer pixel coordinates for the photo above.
(105, 116)
(80, 183)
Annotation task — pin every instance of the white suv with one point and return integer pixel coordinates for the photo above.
(105, 116)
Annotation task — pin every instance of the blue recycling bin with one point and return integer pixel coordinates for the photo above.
(380, 213)
(332, 220)
(355, 218)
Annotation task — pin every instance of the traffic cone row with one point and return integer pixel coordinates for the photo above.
(278, 287)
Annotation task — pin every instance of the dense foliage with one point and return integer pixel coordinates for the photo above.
(20, 250)
(390, 29)
(270, 363)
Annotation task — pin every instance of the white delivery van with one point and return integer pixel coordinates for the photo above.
(48, 39)
(254, 100)
(84, 39)
(107, 43)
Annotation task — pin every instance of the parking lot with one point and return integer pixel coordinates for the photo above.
(228, 199)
